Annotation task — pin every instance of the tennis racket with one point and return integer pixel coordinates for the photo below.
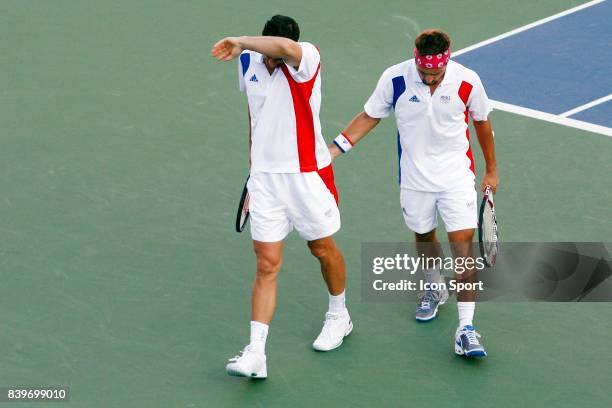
(487, 229)
(243, 209)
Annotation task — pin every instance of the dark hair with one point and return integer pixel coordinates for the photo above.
(282, 26)
(432, 41)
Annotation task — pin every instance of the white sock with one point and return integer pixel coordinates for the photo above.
(337, 303)
(466, 313)
(259, 334)
(433, 275)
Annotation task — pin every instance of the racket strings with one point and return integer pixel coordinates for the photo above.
(489, 231)
(245, 206)
(489, 225)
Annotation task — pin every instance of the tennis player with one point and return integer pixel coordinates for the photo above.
(291, 182)
(432, 97)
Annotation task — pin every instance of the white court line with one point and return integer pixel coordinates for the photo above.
(527, 27)
(532, 113)
(549, 117)
(586, 106)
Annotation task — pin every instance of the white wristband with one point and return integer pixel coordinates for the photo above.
(343, 143)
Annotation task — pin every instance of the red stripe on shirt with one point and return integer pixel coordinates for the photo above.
(327, 175)
(304, 121)
(465, 89)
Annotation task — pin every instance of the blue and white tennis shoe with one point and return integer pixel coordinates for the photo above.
(467, 342)
(429, 302)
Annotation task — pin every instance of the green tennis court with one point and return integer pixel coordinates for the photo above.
(123, 153)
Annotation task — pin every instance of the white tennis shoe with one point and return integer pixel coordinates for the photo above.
(335, 328)
(249, 363)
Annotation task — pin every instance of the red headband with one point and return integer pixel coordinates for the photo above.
(432, 61)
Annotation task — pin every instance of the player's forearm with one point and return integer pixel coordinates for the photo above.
(356, 130)
(273, 47)
(484, 132)
(360, 126)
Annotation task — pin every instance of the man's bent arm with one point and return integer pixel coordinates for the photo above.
(358, 128)
(272, 47)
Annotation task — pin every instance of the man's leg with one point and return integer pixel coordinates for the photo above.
(263, 299)
(458, 209)
(427, 245)
(419, 211)
(462, 247)
(252, 361)
(466, 338)
(332, 263)
(424, 243)
(338, 323)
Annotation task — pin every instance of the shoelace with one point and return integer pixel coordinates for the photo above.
(472, 337)
(330, 319)
(239, 355)
(426, 298)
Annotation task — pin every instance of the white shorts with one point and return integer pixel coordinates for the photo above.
(457, 208)
(281, 201)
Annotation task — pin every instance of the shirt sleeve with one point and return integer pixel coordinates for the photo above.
(381, 101)
(479, 104)
(308, 65)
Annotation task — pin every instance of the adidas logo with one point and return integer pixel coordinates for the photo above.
(414, 99)
(253, 78)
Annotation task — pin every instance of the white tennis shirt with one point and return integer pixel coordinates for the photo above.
(285, 127)
(433, 137)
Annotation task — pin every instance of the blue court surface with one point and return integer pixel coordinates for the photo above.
(600, 114)
(554, 67)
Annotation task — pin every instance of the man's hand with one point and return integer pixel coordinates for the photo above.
(334, 151)
(358, 127)
(227, 49)
(490, 179)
